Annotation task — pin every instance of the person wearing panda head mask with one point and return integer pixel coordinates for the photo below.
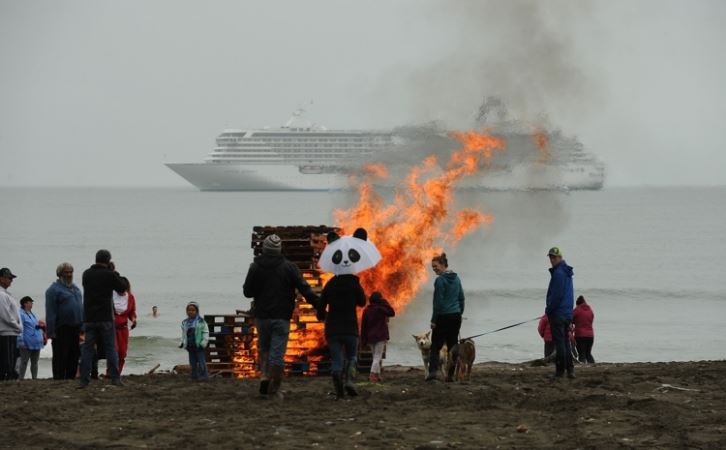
(338, 302)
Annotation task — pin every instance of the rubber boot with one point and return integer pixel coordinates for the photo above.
(338, 385)
(265, 380)
(273, 390)
(433, 369)
(450, 373)
(349, 376)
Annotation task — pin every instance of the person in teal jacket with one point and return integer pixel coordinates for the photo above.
(195, 337)
(446, 317)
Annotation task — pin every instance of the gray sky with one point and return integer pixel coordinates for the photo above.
(102, 93)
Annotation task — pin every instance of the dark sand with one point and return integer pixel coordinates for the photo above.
(607, 406)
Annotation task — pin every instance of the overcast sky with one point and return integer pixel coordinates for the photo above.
(103, 93)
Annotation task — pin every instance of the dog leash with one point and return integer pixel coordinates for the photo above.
(503, 328)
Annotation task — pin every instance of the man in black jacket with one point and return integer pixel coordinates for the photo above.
(271, 281)
(99, 282)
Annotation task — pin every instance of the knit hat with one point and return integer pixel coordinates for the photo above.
(272, 245)
(195, 305)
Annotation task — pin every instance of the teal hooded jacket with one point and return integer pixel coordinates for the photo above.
(448, 295)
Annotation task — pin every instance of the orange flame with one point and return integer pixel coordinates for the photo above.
(414, 226)
(543, 146)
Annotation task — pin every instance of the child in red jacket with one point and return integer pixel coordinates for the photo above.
(374, 330)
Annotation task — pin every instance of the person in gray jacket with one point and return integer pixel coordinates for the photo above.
(64, 316)
(10, 327)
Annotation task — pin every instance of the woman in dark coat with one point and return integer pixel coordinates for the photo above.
(374, 331)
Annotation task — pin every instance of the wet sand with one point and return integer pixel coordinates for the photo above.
(504, 406)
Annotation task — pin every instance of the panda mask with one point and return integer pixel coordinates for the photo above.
(349, 254)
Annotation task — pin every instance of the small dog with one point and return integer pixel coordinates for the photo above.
(423, 342)
(462, 357)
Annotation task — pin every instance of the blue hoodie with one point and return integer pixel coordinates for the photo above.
(63, 306)
(560, 293)
(448, 295)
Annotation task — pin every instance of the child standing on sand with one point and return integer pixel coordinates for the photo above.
(195, 336)
(374, 331)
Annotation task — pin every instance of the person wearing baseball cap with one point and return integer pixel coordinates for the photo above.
(10, 326)
(560, 301)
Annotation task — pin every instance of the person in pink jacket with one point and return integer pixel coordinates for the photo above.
(582, 319)
(546, 333)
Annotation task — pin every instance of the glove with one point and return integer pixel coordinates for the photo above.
(181, 345)
(133, 324)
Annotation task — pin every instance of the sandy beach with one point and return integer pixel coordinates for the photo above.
(643, 405)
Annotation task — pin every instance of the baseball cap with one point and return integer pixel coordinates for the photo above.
(5, 272)
(554, 251)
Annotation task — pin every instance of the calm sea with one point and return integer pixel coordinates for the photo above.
(649, 261)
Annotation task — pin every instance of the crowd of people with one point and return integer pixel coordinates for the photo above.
(93, 324)
(83, 326)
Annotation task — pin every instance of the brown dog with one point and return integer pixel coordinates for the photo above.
(461, 359)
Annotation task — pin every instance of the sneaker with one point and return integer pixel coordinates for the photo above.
(431, 378)
(374, 378)
(82, 386)
(117, 382)
(571, 375)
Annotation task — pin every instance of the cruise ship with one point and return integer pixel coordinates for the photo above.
(303, 156)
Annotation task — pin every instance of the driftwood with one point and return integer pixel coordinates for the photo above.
(153, 369)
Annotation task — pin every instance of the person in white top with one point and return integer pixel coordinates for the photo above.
(10, 327)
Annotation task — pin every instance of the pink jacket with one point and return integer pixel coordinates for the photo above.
(582, 318)
(544, 328)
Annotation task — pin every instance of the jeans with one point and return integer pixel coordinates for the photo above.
(446, 331)
(198, 362)
(584, 349)
(377, 348)
(107, 334)
(561, 338)
(340, 346)
(272, 337)
(8, 351)
(66, 351)
(549, 347)
(26, 355)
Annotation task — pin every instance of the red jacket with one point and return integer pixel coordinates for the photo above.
(544, 328)
(122, 320)
(582, 318)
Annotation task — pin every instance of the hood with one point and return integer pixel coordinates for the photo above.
(269, 261)
(449, 276)
(376, 298)
(564, 267)
(583, 306)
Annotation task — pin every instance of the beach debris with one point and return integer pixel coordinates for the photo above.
(664, 387)
(522, 428)
(153, 369)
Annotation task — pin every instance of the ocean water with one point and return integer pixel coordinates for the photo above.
(649, 261)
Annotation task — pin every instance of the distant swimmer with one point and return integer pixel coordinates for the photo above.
(154, 312)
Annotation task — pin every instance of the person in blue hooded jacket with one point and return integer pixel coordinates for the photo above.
(446, 317)
(560, 301)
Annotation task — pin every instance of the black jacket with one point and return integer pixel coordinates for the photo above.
(99, 282)
(271, 281)
(341, 294)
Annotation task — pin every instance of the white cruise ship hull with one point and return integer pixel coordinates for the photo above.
(281, 177)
